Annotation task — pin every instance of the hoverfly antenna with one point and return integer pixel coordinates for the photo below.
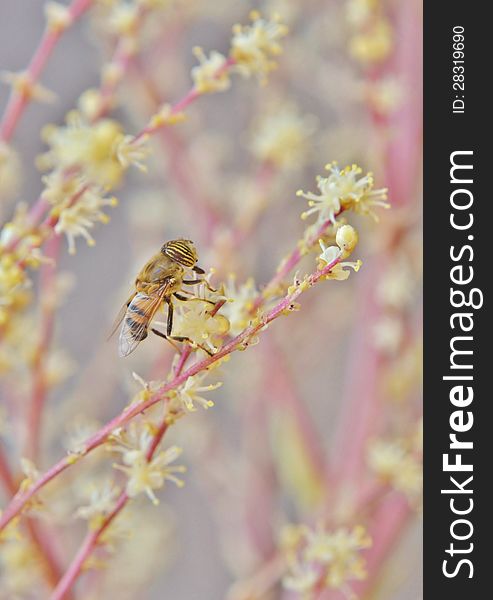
(181, 251)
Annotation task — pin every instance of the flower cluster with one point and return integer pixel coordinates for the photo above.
(9, 171)
(194, 320)
(211, 75)
(254, 47)
(100, 502)
(189, 394)
(319, 558)
(372, 36)
(344, 189)
(282, 137)
(398, 464)
(239, 305)
(93, 149)
(86, 160)
(144, 474)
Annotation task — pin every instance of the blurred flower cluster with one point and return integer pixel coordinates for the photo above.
(299, 333)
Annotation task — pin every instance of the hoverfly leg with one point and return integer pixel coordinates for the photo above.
(193, 281)
(164, 336)
(182, 338)
(197, 281)
(169, 323)
(185, 299)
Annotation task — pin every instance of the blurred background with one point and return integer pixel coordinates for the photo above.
(347, 366)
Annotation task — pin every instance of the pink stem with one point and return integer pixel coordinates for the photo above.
(18, 100)
(40, 540)
(184, 103)
(6, 476)
(48, 277)
(87, 547)
(281, 383)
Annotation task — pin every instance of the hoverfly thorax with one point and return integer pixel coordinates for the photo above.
(181, 251)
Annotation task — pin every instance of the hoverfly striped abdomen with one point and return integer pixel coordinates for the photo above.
(137, 321)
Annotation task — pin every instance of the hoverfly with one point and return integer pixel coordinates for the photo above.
(161, 279)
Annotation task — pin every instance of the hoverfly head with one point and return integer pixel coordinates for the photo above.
(181, 251)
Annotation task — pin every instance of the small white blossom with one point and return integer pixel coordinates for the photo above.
(89, 149)
(189, 392)
(101, 501)
(239, 305)
(23, 84)
(320, 556)
(131, 152)
(58, 16)
(75, 220)
(10, 171)
(388, 333)
(339, 270)
(395, 464)
(144, 475)
(343, 190)
(282, 137)
(254, 46)
(193, 320)
(210, 75)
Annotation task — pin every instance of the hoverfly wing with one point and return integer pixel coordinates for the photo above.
(137, 317)
(119, 318)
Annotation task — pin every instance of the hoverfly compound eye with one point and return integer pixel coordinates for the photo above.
(181, 251)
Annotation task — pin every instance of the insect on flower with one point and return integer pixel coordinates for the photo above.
(159, 281)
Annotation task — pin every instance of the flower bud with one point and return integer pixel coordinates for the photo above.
(346, 239)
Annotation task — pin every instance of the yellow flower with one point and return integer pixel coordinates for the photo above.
(359, 11)
(22, 84)
(101, 502)
(75, 220)
(60, 188)
(385, 95)
(388, 333)
(130, 152)
(338, 271)
(239, 305)
(210, 75)
(10, 171)
(189, 392)
(164, 116)
(396, 465)
(343, 190)
(20, 567)
(124, 19)
(31, 474)
(282, 137)
(301, 579)
(254, 46)
(329, 556)
(146, 476)
(374, 43)
(93, 149)
(397, 286)
(346, 239)
(194, 320)
(58, 17)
